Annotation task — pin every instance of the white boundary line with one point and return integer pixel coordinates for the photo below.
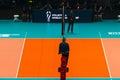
(105, 56)
(21, 55)
(8, 35)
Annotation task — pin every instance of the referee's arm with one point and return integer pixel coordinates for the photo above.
(59, 49)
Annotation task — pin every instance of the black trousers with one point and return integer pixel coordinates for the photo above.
(29, 15)
(70, 25)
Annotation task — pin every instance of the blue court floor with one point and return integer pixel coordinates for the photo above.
(104, 29)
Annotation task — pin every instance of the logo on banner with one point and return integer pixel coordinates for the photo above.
(48, 14)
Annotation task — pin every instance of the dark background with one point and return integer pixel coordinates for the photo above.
(10, 7)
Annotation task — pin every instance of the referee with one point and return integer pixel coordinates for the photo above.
(71, 19)
(64, 49)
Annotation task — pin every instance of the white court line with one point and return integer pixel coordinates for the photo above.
(8, 35)
(21, 54)
(105, 56)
